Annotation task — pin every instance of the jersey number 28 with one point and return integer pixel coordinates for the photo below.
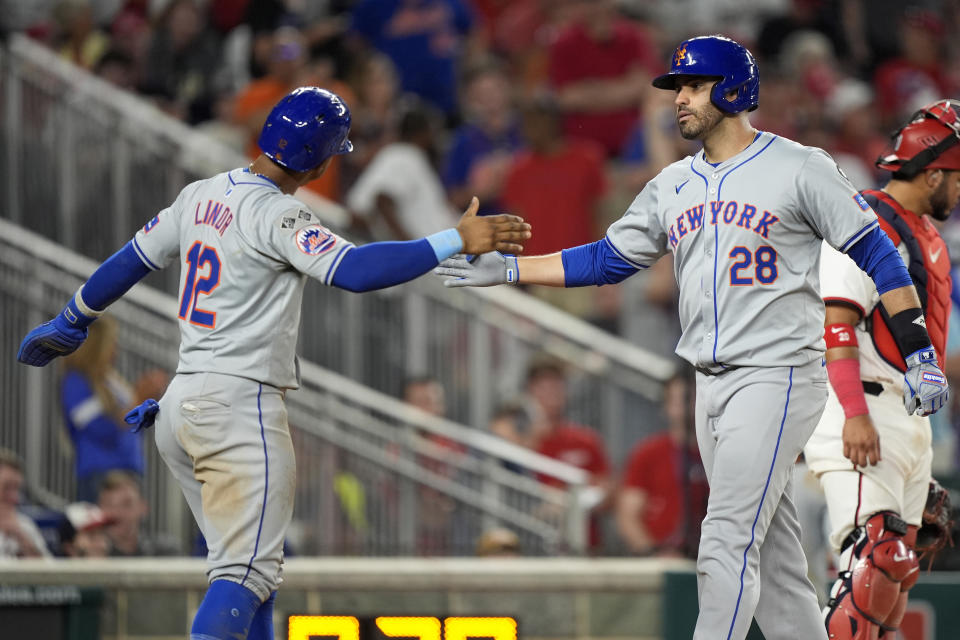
(199, 257)
(763, 261)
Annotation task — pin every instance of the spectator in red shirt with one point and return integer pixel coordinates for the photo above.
(917, 75)
(663, 498)
(600, 66)
(556, 185)
(555, 436)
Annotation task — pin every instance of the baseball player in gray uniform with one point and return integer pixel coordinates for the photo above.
(246, 247)
(744, 219)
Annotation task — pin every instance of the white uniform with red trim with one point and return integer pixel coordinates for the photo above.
(899, 481)
(247, 250)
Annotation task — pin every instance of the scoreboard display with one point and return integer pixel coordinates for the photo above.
(384, 627)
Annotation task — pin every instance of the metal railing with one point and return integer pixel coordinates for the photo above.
(376, 476)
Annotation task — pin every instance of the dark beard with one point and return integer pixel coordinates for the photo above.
(940, 208)
(704, 122)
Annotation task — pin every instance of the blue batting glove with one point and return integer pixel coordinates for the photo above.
(925, 388)
(58, 337)
(143, 416)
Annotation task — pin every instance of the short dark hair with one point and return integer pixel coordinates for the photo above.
(542, 103)
(516, 411)
(415, 118)
(117, 479)
(545, 365)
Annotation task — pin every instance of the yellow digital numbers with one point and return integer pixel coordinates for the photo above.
(496, 628)
(342, 627)
(423, 628)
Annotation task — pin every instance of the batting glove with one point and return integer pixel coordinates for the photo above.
(484, 270)
(143, 416)
(925, 387)
(58, 337)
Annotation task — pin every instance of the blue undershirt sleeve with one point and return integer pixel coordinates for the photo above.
(595, 263)
(114, 278)
(875, 254)
(384, 264)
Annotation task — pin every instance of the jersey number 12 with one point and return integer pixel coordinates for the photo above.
(199, 257)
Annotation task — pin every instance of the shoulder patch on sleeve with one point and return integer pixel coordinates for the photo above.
(296, 219)
(861, 202)
(314, 240)
(150, 225)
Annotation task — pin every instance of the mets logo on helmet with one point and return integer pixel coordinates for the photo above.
(680, 54)
(314, 240)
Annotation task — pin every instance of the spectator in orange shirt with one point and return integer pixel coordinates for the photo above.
(663, 498)
(557, 184)
(289, 68)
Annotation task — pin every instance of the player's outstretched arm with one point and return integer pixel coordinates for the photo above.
(925, 388)
(65, 333)
(384, 264)
(590, 264)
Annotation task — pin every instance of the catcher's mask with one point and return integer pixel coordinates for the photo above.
(927, 141)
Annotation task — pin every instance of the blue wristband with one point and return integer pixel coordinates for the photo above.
(73, 315)
(445, 243)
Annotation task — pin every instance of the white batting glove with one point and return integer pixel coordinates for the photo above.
(484, 270)
(925, 388)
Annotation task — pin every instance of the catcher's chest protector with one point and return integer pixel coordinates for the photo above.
(929, 268)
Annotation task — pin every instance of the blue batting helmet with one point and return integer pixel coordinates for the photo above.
(717, 57)
(305, 128)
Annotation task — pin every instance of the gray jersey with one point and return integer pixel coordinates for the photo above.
(746, 242)
(246, 250)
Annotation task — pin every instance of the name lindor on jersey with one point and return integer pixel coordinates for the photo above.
(729, 212)
(217, 215)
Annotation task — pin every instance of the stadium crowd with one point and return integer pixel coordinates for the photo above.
(542, 108)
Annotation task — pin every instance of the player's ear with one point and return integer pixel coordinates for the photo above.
(934, 178)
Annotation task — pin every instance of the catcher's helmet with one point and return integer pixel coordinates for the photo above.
(717, 57)
(305, 128)
(928, 141)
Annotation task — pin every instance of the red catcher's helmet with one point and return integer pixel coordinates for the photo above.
(928, 141)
